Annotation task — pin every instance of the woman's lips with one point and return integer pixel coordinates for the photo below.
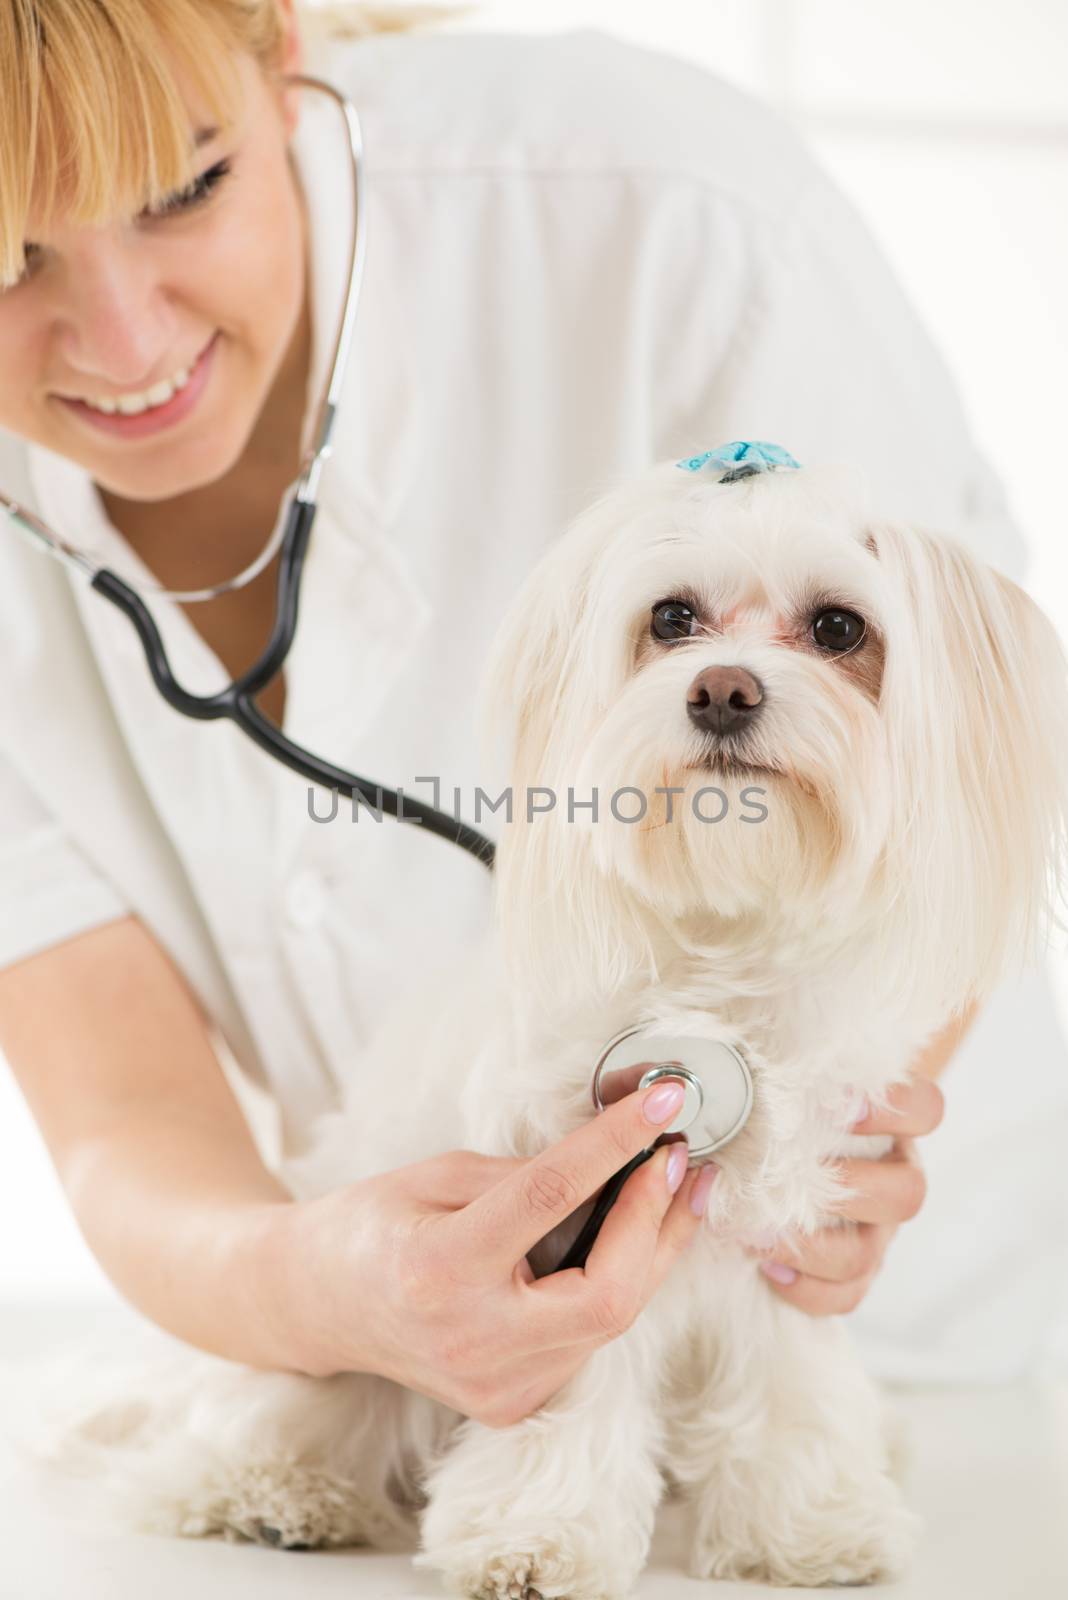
(156, 418)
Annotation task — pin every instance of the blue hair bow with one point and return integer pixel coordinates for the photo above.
(742, 459)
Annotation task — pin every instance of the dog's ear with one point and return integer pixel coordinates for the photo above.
(535, 656)
(564, 925)
(975, 691)
(523, 681)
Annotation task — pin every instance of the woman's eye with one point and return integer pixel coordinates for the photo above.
(194, 194)
(187, 199)
(672, 619)
(837, 630)
(31, 255)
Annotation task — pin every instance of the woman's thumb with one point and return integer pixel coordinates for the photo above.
(460, 1177)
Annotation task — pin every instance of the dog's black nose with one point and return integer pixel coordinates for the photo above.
(722, 699)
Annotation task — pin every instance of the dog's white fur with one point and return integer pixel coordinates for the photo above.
(912, 851)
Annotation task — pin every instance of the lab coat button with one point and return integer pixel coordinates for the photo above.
(306, 900)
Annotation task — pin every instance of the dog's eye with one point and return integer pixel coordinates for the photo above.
(837, 630)
(672, 619)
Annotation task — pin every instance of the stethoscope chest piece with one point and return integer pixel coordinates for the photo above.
(719, 1088)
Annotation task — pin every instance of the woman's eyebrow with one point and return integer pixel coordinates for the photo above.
(202, 136)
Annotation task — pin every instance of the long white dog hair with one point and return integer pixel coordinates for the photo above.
(893, 839)
(920, 798)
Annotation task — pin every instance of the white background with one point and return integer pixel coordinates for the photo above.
(947, 124)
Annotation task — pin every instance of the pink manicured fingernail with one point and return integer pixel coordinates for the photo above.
(700, 1191)
(677, 1162)
(661, 1104)
(777, 1272)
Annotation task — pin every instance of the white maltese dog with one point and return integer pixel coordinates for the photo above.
(879, 723)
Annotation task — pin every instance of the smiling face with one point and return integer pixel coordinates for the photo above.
(144, 348)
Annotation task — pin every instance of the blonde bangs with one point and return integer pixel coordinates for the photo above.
(95, 102)
(94, 96)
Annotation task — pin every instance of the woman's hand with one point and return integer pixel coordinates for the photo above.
(420, 1274)
(831, 1271)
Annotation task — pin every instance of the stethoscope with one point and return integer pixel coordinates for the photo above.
(712, 1079)
(237, 701)
(719, 1098)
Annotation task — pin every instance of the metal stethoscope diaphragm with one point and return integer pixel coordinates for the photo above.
(719, 1098)
(719, 1088)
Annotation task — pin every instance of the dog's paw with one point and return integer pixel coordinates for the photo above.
(286, 1504)
(853, 1538)
(537, 1573)
(565, 1566)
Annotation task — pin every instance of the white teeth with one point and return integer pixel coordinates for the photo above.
(130, 405)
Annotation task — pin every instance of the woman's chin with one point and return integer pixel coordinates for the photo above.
(165, 474)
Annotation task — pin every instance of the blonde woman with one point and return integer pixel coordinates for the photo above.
(582, 258)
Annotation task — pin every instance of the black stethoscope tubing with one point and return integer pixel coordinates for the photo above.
(237, 704)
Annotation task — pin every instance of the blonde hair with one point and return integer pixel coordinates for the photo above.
(91, 114)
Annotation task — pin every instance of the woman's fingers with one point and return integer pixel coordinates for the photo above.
(682, 1223)
(620, 1264)
(506, 1222)
(820, 1298)
(835, 1254)
(914, 1108)
(891, 1189)
(454, 1178)
(829, 1273)
(644, 1232)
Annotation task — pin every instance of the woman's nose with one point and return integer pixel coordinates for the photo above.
(116, 324)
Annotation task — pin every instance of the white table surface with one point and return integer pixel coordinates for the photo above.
(989, 1475)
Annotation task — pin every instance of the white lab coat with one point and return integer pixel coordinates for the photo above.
(582, 257)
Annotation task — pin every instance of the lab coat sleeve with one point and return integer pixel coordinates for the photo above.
(49, 892)
(824, 355)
